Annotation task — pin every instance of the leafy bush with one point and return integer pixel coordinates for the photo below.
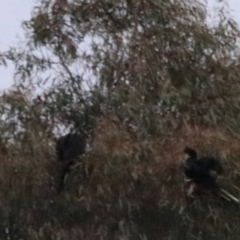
(145, 78)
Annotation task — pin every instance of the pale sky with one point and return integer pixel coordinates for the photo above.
(13, 12)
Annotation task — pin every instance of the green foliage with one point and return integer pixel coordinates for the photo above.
(142, 59)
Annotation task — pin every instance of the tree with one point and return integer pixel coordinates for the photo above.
(151, 64)
(141, 58)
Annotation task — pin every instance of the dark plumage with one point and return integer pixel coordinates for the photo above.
(68, 149)
(203, 171)
(71, 146)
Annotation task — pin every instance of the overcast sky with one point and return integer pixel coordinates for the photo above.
(13, 12)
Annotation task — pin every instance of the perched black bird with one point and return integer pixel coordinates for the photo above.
(202, 171)
(69, 149)
(70, 146)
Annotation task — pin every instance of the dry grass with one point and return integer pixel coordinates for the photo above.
(136, 190)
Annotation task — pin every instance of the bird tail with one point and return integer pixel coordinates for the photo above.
(64, 175)
(227, 196)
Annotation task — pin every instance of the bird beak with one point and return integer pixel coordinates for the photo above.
(186, 156)
(183, 160)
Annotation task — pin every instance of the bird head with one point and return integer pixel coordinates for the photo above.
(189, 152)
